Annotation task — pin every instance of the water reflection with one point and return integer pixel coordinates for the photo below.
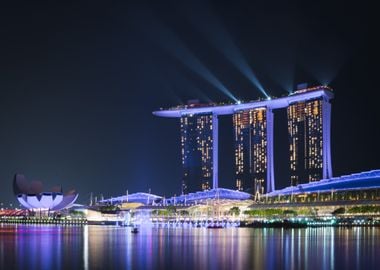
(85, 247)
(99, 247)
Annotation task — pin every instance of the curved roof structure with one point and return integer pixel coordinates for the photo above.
(356, 181)
(139, 197)
(196, 197)
(212, 194)
(31, 195)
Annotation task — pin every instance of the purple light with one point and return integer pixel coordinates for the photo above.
(215, 151)
(270, 154)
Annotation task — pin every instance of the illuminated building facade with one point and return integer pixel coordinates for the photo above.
(308, 123)
(309, 113)
(31, 195)
(250, 135)
(197, 152)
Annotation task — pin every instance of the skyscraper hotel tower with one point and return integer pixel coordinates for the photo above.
(196, 151)
(309, 113)
(250, 136)
(309, 140)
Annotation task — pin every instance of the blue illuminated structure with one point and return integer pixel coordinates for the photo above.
(324, 93)
(356, 181)
(227, 109)
(138, 197)
(213, 194)
(186, 199)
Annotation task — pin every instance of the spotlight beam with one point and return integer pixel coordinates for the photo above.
(169, 41)
(212, 29)
(178, 49)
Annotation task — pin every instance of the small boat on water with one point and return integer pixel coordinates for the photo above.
(135, 230)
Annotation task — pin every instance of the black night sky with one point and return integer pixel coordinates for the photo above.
(79, 82)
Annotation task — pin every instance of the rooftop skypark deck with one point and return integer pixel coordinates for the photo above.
(225, 109)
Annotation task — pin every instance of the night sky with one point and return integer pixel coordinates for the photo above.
(79, 82)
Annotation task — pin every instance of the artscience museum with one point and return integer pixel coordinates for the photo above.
(32, 196)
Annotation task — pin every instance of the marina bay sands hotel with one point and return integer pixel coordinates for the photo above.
(308, 116)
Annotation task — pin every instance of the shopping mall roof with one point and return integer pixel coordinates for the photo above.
(138, 197)
(356, 181)
(191, 198)
(212, 194)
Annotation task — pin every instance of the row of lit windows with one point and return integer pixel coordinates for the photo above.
(255, 121)
(196, 136)
(250, 133)
(309, 116)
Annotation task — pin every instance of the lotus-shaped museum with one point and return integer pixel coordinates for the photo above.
(32, 196)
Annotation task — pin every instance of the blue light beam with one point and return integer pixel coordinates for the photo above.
(178, 49)
(212, 29)
(175, 47)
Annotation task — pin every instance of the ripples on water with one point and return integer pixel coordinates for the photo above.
(103, 247)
